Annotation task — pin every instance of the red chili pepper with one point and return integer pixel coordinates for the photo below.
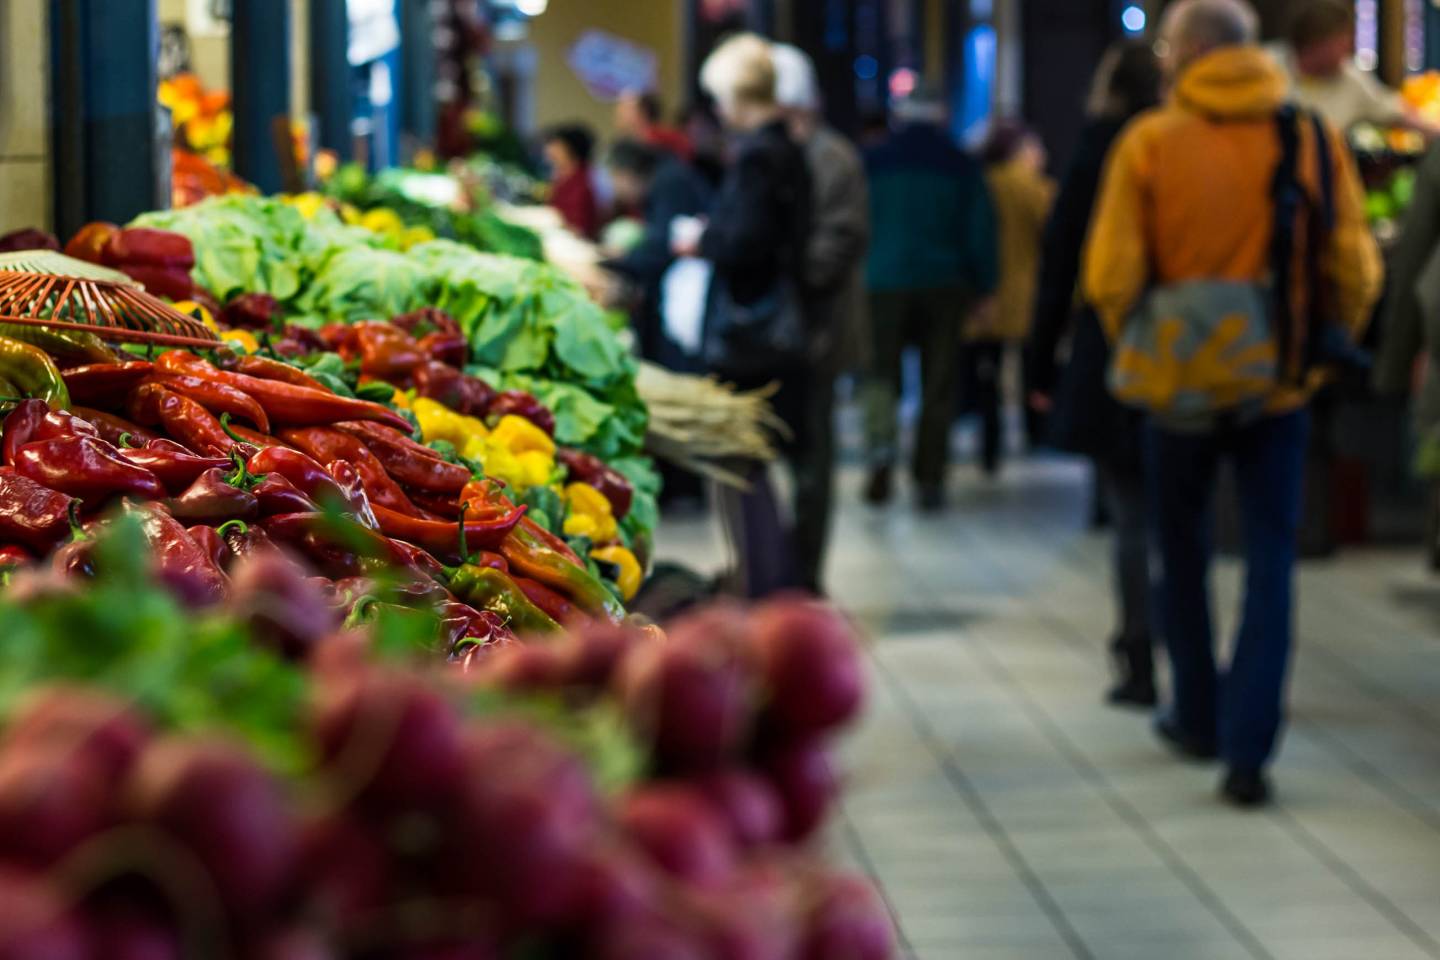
(339, 337)
(521, 404)
(180, 562)
(217, 397)
(302, 470)
(211, 499)
(327, 444)
(530, 556)
(160, 248)
(559, 608)
(285, 403)
(612, 484)
(173, 282)
(214, 546)
(105, 383)
(418, 562)
(451, 348)
(244, 539)
(181, 417)
(386, 352)
(254, 438)
(426, 320)
(408, 462)
(348, 478)
(551, 541)
(32, 513)
(354, 552)
(267, 369)
(460, 622)
(448, 386)
(112, 428)
(441, 508)
(275, 494)
(442, 538)
(33, 420)
(12, 556)
(85, 467)
(175, 467)
(252, 311)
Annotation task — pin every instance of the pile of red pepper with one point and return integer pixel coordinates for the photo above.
(252, 456)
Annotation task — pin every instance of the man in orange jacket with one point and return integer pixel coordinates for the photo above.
(1187, 197)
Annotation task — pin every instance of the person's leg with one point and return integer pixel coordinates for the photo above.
(939, 317)
(1181, 475)
(988, 369)
(881, 390)
(1124, 490)
(1269, 466)
(814, 470)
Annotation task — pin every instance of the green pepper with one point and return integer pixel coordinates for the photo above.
(486, 588)
(73, 348)
(530, 556)
(33, 372)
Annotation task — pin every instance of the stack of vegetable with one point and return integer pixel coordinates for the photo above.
(182, 785)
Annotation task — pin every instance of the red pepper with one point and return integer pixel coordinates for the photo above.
(172, 282)
(244, 539)
(419, 562)
(530, 556)
(386, 352)
(89, 241)
(112, 428)
(448, 386)
(443, 538)
(180, 562)
(348, 479)
(427, 320)
(521, 404)
(460, 622)
(31, 513)
(159, 248)
(410, 463)
(86, 467)
(551, 541)
(612, 484)
(307, 475)
(441, 508)
(252, 311)
(211, 499)
(355, 552)
(267, 369)
(213, 544)
(327, 444)
(337, 337)
(559, 608)
(451, 348)
(285, 403)
(12, 556)
(175, 467)
(275, 494)
(217, 397)
(254, 438)
(181, 417)
(33, 420)
(105, 383)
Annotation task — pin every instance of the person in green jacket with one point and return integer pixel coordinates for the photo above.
(933, 261)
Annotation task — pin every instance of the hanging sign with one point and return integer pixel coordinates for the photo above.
(609, 65)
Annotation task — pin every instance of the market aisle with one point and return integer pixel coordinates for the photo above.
(1007, 814)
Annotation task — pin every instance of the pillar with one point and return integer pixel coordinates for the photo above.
(260, 89)
(331, 98)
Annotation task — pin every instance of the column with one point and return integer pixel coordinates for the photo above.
(260, 89)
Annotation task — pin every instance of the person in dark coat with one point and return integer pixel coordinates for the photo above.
(755, 240)
(1084, 418)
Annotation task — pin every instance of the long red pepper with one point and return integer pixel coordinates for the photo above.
(408, 462)
(180, 417)
(302, 470)
(285, 403)
(180, 562)
(442, 538)
(559, 607)
(176, 467)
(210, 499)
(113, 428)
(85, 467)
(267, 369)
(326, 444)
(217, 397)
(105, 383)
(32, 513)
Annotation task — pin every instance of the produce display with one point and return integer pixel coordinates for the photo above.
(262, 780)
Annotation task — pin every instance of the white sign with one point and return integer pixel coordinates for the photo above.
(609, 65)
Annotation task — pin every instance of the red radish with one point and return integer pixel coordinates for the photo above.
(812, 666)
(390, 740)
(131, 935)
(520, 667)
(527, 815)
(747, 803)
(691, 701)
(472, 949)
(342, 870)
(284, 610)
(746, 923)
(593, 652)
(848, 922)
(72, 718)
(675, 825)
(613, 884)
(295, 943)
(50, 803)
(212, 799)
(647, 938)
(34, 924)
(806, 782)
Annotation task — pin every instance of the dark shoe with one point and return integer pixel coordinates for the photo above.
(932, 499)
(1133, 691)
(1246, 789)
(1135, 669)
(877, 491)
(1186, 745)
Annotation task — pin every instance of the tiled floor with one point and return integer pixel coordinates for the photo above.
(1007, 814)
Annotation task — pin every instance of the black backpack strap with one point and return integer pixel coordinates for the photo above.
(1326, 160)
(1287, 196)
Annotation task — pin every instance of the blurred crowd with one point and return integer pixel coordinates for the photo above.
(1171, 304)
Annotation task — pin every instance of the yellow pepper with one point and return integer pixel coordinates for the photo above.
(590, 514)
(400, 399)
(536, 467)
(520, 435)
(197, 311)
(630, 573)
(414, 236)
(439, 422)
(242, 340)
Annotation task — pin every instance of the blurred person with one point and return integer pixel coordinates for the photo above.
(1083, 417)
(758, 317)
(568, 149)
(834, 278)
(1318, 56)
(1014, 162)
(1194, 217)
(933, 257)
(638, 117)
(707, 139)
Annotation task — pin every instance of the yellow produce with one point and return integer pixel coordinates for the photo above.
(197, 310)
(309, 204)
(590, 514)
(384, 221)
(242, 340)
(439, 422)
(630, 573)
(520, 435)
(414, 236)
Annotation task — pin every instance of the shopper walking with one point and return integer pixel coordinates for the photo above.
(1203, 201)
(567, 153)
(933, 258)
(835, 282)
(638, 116)
(1082, 416)
(759, 317)
(1015, 174)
